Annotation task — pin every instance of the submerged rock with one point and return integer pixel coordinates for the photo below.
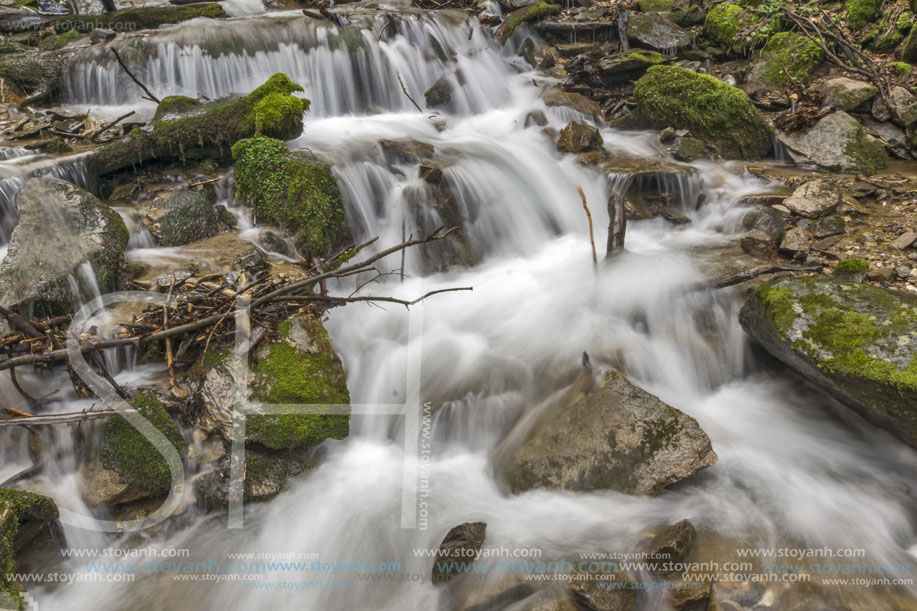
(856, 341)
(439, 94)
(290, 190)
(837, 142)
(555, 97)
(720, 115)
(615, 437)
(60, 227)
(459, 549)
(578, 137)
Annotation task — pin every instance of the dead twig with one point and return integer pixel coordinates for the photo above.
(149, 94)
(401, 82)
(595, 259)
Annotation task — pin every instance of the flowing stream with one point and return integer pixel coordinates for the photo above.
(793, 467)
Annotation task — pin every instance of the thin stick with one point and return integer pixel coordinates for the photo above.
(404, 302)
(63, 418)
(739, 277)
(149, 94)
(419, 109)
(107, 126)
(595, 258)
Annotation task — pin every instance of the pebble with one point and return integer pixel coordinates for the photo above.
(903, 271)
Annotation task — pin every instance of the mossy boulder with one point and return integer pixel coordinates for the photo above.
(439, 94)
(628, 65)
(60, 227)
(58, 41)
(846, 94)
(127, 452)
(909, 50)
(729, 25)
(291, 190)
(141, 18)
(714, 112)
(184, 216)
(856, 341)
(899, 69)
(209, 130)
(578, 137)
(533, 12)
(861, 12)
(615, 436)
(837, 142)
(175, 106)
(789, 52)
(23, 515)
(300, 369)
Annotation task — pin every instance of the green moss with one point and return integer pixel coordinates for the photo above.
(175, 105)
(289, 376)
(651, 6)
(852, 266)
(52, 43)
(793, 52)
(861, 12)
(16, 507)
(869, 155)
(533, 12)
(718, 114)
(899, 69)
(279, 112)
(128, 452)
(142, 18)
(778, 306)
(734, 28)
(291, 191)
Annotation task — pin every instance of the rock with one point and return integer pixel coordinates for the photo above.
(851, 270)
(768, 220)
(672, 543)
(140, 469)
(846, 94)
(881, 274)
(439, 94)
(36, 76)
(720, 115)
(829, 225)
(268, 473)
(786, 52)
(406, 149)
(903, 271)
(903, 241)
(795, 242)
(627, 66)
(60, 227)
(578, 137)
(893, 136)
(617, 436)
(460, 546)
(689, 149)
(909, 50)
(23, 517)
(441, 206)
(757, 243)
(140, 18)
(184, 216)
(855, 341)
(290, 190)
(726, 24)
(99, 35)
(861, 12)
(649, 184)
(813, 199)
(903, 107)
(210, 130)
(837, 142)
(656, 32)
(556, 97)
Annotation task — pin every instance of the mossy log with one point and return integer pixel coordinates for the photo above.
(208, 130)
(140, 18)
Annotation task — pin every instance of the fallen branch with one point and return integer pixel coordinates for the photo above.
(617, 225)
(149, 94)
(342, 300)
(739, 277)
(401, 82)
(64, 418)
(595, 260)
(95, 134)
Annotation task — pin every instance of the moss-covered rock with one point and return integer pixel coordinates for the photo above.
(141, 18)
(44, 252)
(290, 190)
(187, 216)
(732, 27)
(439, 94)
(533, 12)
(301, 369)
(174, 106)
(899, 69)
(789, 52)
(846, 94)
(628, 65)
(18, 509)
(861, 12)
(856, 341)
(52, 43)
(909, 50)
(209, 130)
(578, 137)
(720, 115)
(128, 452)
(837, 142)
(654, 6)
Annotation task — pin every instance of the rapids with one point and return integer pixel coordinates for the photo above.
(793, 469)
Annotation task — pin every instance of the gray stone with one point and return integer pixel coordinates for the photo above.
(460, 546)
(813, 199)
(656, 32)
(869, 367)
(578, 137)
(903, 107)
(846, 94)
(795, 242)
(757, 243)
(904, 240)
(893, 136)
(768, 220)
(837, 142)
(101, 35)
(439, 94)
(60, 227)
(556, 97)
(829, 225)
(881, 274)
(903, 271)
(184, 216)
(616, 436)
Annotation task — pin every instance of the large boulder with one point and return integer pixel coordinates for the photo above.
(23, 516)
(856, 341)
(616, 436)
(813, 199)
(727, 23)
(656, 32)
(719, 114)
(846, 94)
(290, 190)
(184, 216)
(839, 143)
(60, 227)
